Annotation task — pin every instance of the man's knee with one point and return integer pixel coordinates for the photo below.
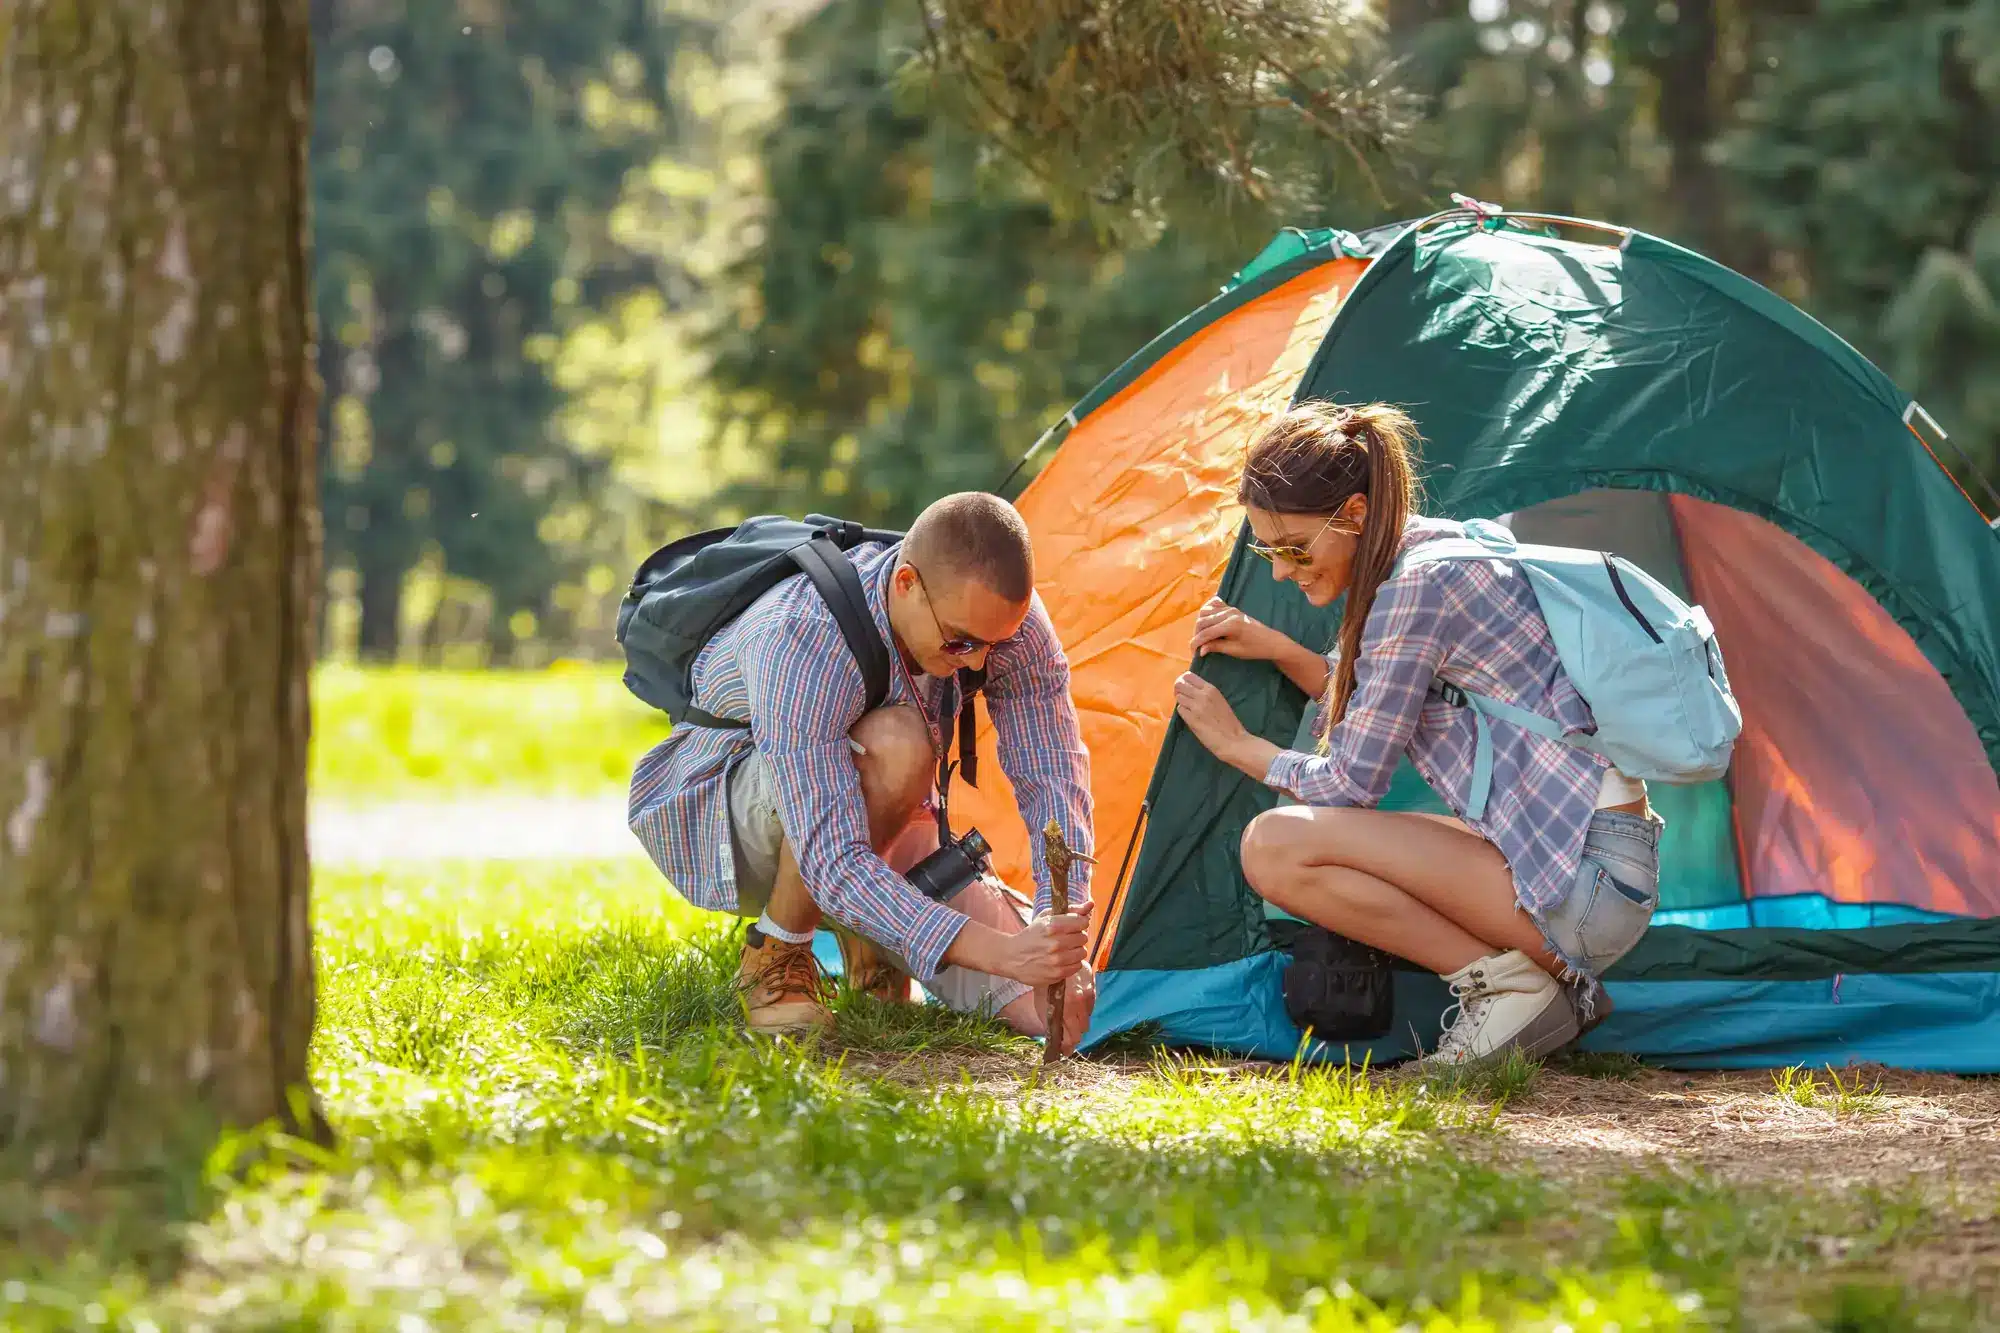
(898, 767)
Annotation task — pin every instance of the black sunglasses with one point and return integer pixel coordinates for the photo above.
(959, 645)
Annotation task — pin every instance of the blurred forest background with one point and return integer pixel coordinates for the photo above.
(593, 273)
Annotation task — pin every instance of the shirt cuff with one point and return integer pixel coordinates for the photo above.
(935, 927)
(1283, 773)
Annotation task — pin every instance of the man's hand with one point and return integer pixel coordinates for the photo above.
(1043, 952)
(1048, 949)
(1077, 1004)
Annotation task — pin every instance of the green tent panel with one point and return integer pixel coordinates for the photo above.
(1837, 894)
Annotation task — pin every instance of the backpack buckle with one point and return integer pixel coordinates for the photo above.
(1451, 694)
(842, 532)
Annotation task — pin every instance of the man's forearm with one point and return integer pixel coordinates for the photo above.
(979, 948)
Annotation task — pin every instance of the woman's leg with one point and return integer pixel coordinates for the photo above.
(1418, 886)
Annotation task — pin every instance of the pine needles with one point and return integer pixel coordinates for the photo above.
(1136, 111)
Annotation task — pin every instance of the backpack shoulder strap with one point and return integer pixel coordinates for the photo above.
(1482, 541)
(840, 588)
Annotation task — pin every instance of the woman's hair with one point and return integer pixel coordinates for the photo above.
(1311, 462)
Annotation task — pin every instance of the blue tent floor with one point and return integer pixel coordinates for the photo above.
(1945, 1022)
(1933, 1022)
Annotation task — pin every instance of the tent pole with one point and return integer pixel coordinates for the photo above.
(1118, 888)
(1067, 419)
(1916, 409)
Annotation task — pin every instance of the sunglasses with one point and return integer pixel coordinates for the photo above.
(1301, 556)
(951, 645)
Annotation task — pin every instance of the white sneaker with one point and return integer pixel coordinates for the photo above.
(1505, 1003)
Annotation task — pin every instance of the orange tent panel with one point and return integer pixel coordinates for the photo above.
(1133, 523)
(1858, 775)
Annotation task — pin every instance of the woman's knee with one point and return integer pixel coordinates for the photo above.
(1272, 852)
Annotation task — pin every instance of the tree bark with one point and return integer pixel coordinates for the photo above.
(379, 636)
(1688, 121)
(159, 553)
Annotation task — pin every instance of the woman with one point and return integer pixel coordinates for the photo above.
(1520, 910)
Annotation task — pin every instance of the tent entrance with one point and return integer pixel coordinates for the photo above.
(1861, 796)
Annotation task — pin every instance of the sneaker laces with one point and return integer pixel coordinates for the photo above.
(1472, 999)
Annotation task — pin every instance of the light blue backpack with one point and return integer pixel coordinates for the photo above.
(1646, 662)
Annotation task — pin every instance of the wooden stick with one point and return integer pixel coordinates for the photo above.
(1058, 854)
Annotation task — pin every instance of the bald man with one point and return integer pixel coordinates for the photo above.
(815, 810)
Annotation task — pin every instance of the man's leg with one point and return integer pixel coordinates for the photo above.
(893, 758)
(994, 905)
(778, 978)
(782, 980)
(898, 773)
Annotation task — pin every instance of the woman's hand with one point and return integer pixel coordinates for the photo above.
(1222, 628)
(1208, 715)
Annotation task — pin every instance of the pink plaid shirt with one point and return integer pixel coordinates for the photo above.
(1476, 624)
(784, 666)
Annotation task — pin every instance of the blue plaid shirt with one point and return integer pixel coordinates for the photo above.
(1477, 624)
(784, 666)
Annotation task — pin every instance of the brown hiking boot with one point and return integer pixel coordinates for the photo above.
(869, 969)
(781, 986)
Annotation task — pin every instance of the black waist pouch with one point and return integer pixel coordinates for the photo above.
(1339, 988)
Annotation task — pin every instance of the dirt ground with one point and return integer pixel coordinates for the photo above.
(1934, 1136)
(1938, 1132)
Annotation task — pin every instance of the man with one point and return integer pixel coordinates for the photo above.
(792, 818)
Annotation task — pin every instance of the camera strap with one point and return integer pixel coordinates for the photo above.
(962, 722)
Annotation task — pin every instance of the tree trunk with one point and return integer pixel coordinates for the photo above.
(1688, 122)
(159, 555)
(379, 637)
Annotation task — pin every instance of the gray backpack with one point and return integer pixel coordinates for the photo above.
(685, 593)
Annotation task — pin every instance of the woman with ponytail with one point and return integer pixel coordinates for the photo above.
(1521, 910)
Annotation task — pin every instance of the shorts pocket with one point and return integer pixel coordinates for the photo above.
(1614, 919)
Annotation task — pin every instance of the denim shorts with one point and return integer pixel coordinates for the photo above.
(1616, 891)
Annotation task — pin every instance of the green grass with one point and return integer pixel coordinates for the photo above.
(1850, 1095)
(383, 734)
(1610, 1066)
(549, 1118)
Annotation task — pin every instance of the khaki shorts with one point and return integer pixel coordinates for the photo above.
(757, 836)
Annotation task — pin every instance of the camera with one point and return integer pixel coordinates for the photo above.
(955, 864)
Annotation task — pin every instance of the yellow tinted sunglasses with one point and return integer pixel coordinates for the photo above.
(1300, 556)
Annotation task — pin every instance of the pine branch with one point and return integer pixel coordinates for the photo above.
(1143, 112)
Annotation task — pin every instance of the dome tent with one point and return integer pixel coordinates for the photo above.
(1835, 897)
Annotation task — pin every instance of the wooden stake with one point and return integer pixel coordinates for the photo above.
(1058, 854)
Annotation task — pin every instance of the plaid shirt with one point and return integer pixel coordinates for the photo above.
(1476, 624)
(784, 666)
